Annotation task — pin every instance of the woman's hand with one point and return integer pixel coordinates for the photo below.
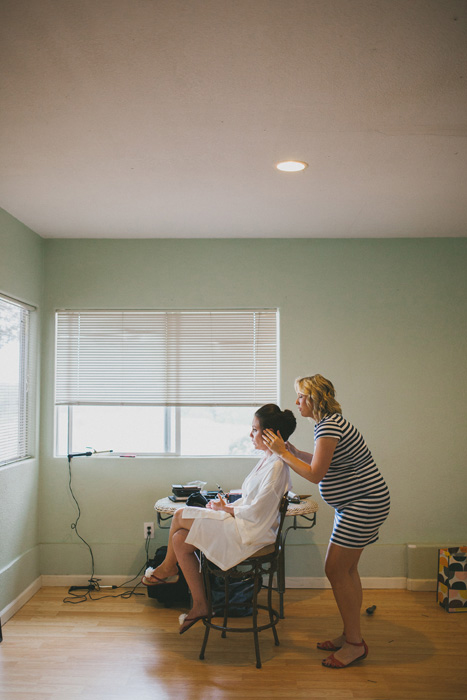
(274, 442)
(304, 456)
(216, 504)
(291, 448)
(312, 467)
(220, 504)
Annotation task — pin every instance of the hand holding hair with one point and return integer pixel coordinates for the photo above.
(274, 442)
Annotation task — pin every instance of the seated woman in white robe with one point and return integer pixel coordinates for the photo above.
(229, 533)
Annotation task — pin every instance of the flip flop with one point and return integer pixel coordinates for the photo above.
(147, 581)
(187, 622)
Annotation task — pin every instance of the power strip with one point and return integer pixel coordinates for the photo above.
(91, 587)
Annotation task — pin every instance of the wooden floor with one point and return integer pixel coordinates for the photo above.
(117, 649)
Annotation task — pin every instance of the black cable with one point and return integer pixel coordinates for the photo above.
(93, 583)
(81, 598)
(146, 547)
(75, 598)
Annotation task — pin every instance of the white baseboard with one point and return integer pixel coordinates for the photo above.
(306, 582)
(290, 582)
(13, 607)
(421, 584)
(367, 582)
(82, 580)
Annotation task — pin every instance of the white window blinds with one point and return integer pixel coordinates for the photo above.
(166, 358)
(16, 384)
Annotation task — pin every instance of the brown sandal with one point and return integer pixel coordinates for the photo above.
(327, 646)
(332, 662)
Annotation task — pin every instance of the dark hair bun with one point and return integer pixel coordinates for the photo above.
(290, 420)
(271, 416)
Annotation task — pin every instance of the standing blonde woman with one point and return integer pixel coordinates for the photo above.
(351, 483)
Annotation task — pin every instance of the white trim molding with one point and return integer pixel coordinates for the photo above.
(13, 607)
(82, 580)
(422, 584)
(367, 582)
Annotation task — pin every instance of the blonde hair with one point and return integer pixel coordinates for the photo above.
(320, 395)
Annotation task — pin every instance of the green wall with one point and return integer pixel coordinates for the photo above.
(21, 277)
(384, 319)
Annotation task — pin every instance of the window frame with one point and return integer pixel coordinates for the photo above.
(173, 422)
(167, 435)
(24, 417)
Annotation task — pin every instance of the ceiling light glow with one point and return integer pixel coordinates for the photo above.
(291, 166)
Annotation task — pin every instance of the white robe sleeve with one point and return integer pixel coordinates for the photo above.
(257, 513)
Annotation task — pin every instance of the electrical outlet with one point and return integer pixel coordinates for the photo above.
(149, 530)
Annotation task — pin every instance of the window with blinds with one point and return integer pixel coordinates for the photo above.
(163, 382)
(16, 381)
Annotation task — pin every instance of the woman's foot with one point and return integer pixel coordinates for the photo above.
(347, 655)
(161, 574)
(332, 644)
(188, 620)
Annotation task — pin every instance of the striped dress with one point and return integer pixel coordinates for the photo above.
(353, 485)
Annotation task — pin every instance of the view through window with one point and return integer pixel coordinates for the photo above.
(14, 380)
(163, 382)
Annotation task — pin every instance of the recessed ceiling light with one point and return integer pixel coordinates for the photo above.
(291, 166)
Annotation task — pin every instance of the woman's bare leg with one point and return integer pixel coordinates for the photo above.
(342, 572)
(189, 564)
(179, 551)
(169, 566)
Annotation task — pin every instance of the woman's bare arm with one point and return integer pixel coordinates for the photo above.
(304, 456)
(320, 462)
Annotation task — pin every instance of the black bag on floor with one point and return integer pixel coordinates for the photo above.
(168, 593)
(240, 597)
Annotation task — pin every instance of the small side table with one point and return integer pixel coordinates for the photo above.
(306, 509)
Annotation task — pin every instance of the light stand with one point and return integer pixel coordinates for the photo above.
(93, 583)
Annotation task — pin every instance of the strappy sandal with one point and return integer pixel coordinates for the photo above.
(327, 646)
(332, 662)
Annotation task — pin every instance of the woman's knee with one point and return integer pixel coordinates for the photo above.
(333, 570)
(176, 520)
(341, 565)
(180, 545)
(179, 538)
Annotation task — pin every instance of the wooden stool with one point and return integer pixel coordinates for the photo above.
(264, 562)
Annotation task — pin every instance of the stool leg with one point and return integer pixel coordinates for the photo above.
(256, 588)
(205, 641)
(281, 579)
(271, 616)
(207, 584)
(226, 604)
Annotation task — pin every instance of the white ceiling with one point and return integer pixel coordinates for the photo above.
(164, 118)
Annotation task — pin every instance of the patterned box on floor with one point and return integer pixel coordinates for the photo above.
(452, 579)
